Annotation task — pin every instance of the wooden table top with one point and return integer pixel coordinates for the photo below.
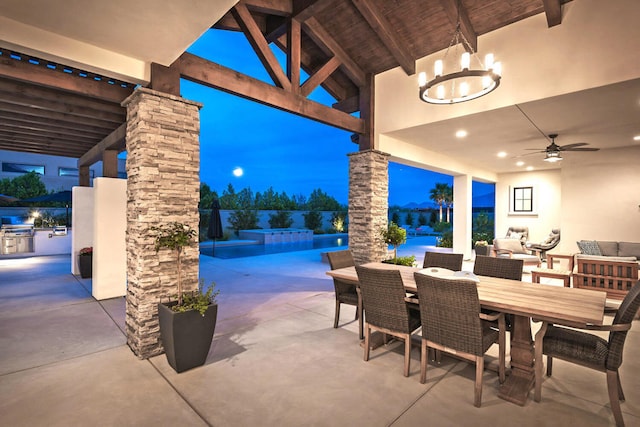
(569, 306)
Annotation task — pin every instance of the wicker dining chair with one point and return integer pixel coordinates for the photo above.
(452, 322)
(346, 292)
(504, 268)
(443, 260)
(589, 350)
(383, 295)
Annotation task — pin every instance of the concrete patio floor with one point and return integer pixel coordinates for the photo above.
(275, 361)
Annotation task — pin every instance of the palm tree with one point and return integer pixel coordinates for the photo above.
(448, 200)
(439, 194)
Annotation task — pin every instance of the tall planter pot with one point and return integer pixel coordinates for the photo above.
(186, 337)
(85, 263)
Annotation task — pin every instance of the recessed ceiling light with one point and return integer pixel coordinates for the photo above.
(636, 138)
(529, 168)
(520, 163)
(502, 154)
(461, 133)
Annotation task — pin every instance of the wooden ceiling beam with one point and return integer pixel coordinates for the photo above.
(61, 107)
(50, 123)
(334, 88)
(40, 75)
(210, 74)
(270, 7)
(66, 118)
(16, 123)
(116, 141)
(553, 11)
(260, 46)
(293, 57)
(39, 148)
(348, 105)
(387, 34)
(43, 133)
(319, 76)
(451, 9)
(332, 48)
(19, 89)
(305, 9)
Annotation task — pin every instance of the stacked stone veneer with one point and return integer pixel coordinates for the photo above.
(163, 164)
(368, 205)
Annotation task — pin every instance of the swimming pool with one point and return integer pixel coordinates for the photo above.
(241, 251)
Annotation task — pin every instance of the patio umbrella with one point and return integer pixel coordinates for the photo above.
(60, 196)
(215, 224)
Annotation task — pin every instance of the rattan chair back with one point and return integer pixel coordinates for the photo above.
(627, 311)
(450, 313)
(383, 295)
(504, 268)
(443, 260)
(340, 259)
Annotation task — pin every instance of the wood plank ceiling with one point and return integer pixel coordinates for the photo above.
(50, 108)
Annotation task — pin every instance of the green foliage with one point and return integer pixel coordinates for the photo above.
(440, 227)
(403, 260)
(206, 196)
(272, 200)
(24, 186)
(313, 221)
(174, 236)
(281, 219)
(198, 300)
(394, 235)
(45, 219)
(321, 201)
(395, 217)
(433, 218)
(422, 219)
(338, 220)
(229, 199)
(441, 194)
(446, 240)
(245, 219)
(483, 228)
(409, 219)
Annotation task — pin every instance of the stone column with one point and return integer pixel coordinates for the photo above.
(368, 204)
(163, 185)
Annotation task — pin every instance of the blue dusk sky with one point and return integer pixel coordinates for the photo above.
(279, 149)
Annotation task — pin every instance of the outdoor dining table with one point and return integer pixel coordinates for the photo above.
(567, 306)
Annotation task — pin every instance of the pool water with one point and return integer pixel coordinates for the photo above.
(241, 251)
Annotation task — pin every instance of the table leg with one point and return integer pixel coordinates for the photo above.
(517, 386)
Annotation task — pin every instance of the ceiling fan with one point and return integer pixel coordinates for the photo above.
(553, 150)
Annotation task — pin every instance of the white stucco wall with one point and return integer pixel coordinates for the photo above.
(82, 220)
(548, 199)
(600, 197)
(109, 231)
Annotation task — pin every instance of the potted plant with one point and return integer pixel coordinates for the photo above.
(187, 323)
(85, 262)
(394, 235)
(482, 247)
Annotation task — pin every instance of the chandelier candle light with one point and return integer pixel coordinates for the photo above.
(463, 85)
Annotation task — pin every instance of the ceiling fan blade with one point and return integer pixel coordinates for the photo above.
(582, 149)
(536, 149)
(528, 154)
(570, 146)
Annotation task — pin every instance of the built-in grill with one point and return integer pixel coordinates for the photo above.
(16, 238)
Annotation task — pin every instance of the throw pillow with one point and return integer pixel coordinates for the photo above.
(513, 235)
(512, 245)
(589, 247)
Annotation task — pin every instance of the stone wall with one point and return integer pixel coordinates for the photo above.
(163, 164)
(368, 204)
